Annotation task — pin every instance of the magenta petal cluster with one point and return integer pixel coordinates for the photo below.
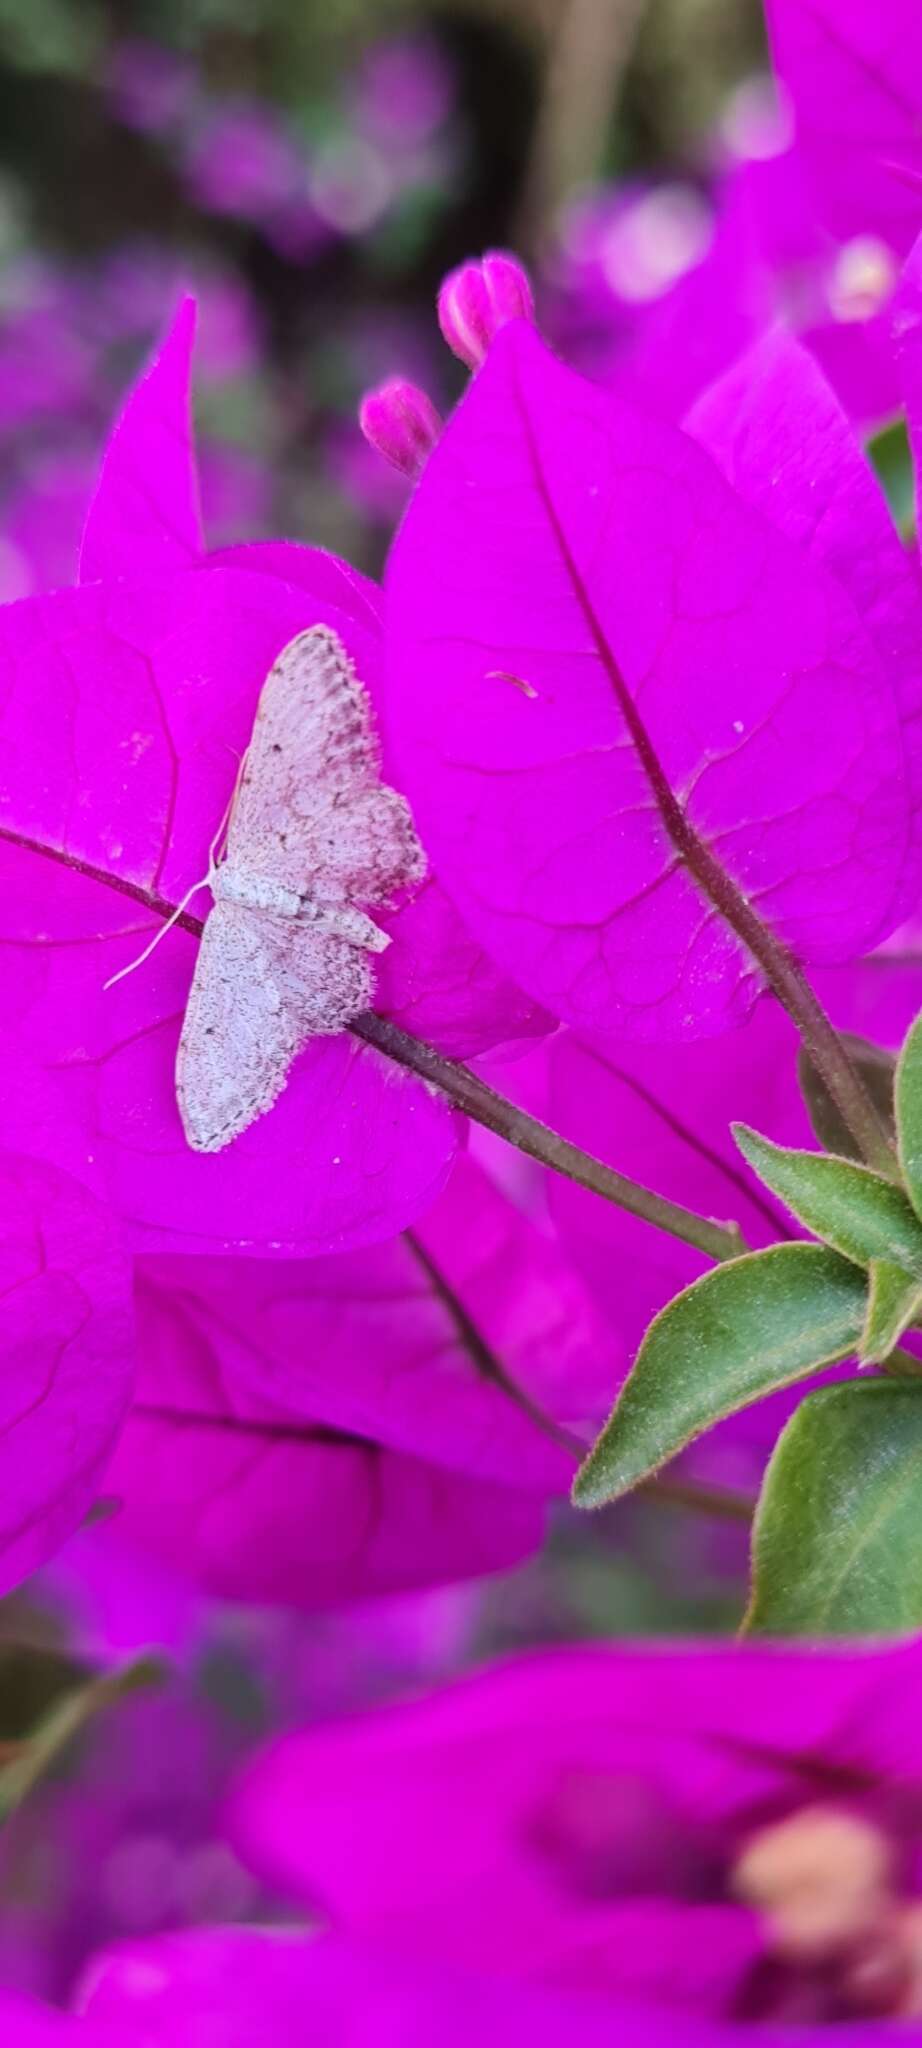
(633, 668)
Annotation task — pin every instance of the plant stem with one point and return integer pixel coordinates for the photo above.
(718, 1241)
(820, 1038)
(721, 1501)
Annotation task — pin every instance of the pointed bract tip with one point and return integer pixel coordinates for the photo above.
(478, 299)
(399, 420)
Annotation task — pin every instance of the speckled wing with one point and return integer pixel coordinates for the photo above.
(262, 986)
(311, 812)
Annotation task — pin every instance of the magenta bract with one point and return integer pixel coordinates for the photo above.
(146, 507)
(783, 441)
(252, 1503)
(587, 627)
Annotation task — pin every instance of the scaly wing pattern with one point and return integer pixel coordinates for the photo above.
(262, 986)
(311, 812)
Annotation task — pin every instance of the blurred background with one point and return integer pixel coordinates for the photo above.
(312, 170)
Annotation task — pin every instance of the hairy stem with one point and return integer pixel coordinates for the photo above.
(468, 1093)
(820, 1039)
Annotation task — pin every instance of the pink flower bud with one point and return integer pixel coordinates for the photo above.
(479, 299)
(401, 422)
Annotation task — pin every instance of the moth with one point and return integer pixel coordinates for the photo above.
(312, 834)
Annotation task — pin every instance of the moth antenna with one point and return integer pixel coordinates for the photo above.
(162, 929)
(160, 933)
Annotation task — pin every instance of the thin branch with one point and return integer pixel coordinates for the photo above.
(465, 1089)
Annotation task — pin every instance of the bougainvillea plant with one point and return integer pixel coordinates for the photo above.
(654, 694)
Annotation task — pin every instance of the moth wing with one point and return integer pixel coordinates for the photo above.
(311, 811)
(262, 987)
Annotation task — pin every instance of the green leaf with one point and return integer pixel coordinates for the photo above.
(857, 1211)
(64, 1719)
(757, 1323)
(908, 1097)
(891, 456)
(876, 1069)
(837, 1539)
(894, 1301)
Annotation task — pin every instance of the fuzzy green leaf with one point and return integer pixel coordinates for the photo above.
(853, 1209)
(837, 1539)
(894, 1301)
(908, 1098)
(876, 1069)
(758, 1323)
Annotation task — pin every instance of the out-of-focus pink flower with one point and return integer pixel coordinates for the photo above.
(241, 162)
(660, 286)
(853, 74)
(402, 91)
(149, 87)
(603, 1809)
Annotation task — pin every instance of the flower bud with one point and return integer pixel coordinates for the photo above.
(401, 423)
(480, 298)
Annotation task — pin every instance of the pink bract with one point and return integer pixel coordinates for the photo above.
(251, 1503)
(146, 506)
(779, 434)
(586, 628)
